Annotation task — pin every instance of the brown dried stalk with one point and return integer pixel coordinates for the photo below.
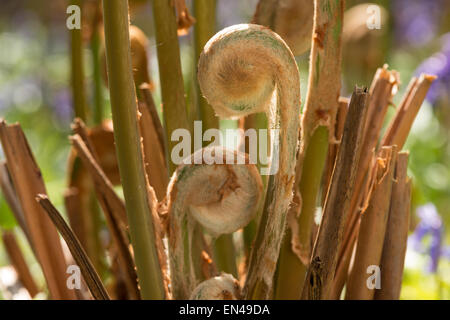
(324, 256)
(147, 97)
(373, 227)
(402, 122)
(72, 204)
(19, 263)
(82, 210)
(27, 180)
(102, 140)
(396, 133)
(85, 150)
(139, 60)
(113, 206)
(115, 214)
(153, 143)
(114, 210)
(91, 277)
(80, 201)
(381, 92)
(333, 148)
(394, 249)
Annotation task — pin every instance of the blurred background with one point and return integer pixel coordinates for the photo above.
(414, 38)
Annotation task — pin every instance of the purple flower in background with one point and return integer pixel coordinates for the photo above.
(446, 252)
(62, 106)
(416, 21)
(439, 65)
(430, 224)
(234, 12)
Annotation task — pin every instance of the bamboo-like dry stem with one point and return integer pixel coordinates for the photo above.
(72, 205)
(153, 143)
(139, 56)
(171, 78)
(381, 93)
(27, 180)
(115, 215)
(411, 101)
(334, 147)
(91, 277)
(82, 209)
(147, 97)
(402, 122)
(129, 153)
(18, 261)
(395, 241)
(317, 129)
(337, 205)
(87, 154)
(373, 227)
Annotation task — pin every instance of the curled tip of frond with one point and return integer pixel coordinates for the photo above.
(223, 287)
(222, 197)
(240, 67)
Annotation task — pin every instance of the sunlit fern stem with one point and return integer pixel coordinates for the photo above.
(77, 70)
(97, 118)
(204, 29)
(257, 122)
(291, 271)
(171, 77)
(225, 254)
(97, 75)
(318, 122)
(127, 139)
